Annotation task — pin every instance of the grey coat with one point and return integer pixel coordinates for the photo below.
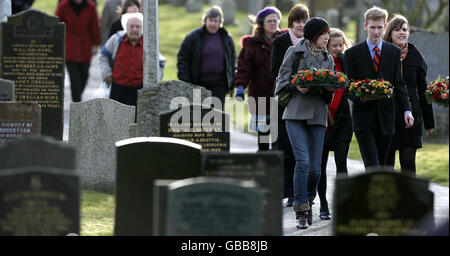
(303, 106)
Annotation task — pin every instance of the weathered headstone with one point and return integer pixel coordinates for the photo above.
(178, 2)
(19, 119)
(38, 201)
(32, 55)
(140, 161)
(208, 206)
(383, 203)
(194, 5)
(265, 168)
(94, 127)
(229, 10)
(203, 125)
(158, 99)
(6, 90)
(37, 151)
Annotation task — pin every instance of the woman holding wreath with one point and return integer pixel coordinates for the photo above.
(306, 114)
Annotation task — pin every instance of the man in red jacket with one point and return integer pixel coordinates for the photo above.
(82, 39)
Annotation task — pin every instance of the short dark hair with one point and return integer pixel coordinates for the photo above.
(298, 12)
(396, 22)
(122, 9)
(213, 12)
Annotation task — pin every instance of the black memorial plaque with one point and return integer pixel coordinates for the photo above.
(382, 203)
(199, 124)
(38, 201)
(19, 119)
(32, 54)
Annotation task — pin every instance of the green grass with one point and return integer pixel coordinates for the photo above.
(97, 213)
(431, 161)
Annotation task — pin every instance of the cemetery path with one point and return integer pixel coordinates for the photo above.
(243, 142)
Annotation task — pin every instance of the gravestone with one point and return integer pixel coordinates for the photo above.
(383, 203)
(94, 127)
(178, 2)
(265, 168)
(159, 99)
(199, 124)
(140, 161)
(37, 151)
(32, 55)
(5, 10)
(208, 206)
(229, 10)
(6, 90)
(194, 5)
(38, 201)
(19, 119)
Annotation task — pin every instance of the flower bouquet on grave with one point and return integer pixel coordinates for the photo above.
(318, 79)
(437, 91)
(374, 89)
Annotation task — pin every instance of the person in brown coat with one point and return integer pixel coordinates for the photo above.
(253, 70)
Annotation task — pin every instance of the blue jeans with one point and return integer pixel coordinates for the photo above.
(307, 143)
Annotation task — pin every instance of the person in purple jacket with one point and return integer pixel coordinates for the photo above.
(207, 56)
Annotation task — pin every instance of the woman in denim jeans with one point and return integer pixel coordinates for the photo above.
(306, 114)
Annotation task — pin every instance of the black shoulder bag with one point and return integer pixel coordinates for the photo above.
(286, 94)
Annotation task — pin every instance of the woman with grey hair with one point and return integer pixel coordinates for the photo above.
(207, 56)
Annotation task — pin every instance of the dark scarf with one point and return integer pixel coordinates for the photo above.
(77, 7)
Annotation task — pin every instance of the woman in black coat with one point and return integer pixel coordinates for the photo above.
(414, 68)
(297, 17)
(339, 130)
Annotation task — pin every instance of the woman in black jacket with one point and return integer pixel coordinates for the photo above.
(339, 130)
(207, 56)
(297, 17)
(414, 68)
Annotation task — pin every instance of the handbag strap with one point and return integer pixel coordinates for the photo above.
(298, 56)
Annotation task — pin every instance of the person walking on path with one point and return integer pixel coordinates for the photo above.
(339, 132)
(109, 15)
(414, 70)
(82, 40)
(297, 17)
(373, 119)
(121, 60)
(306, 114)
(253, 72)
(207, 56)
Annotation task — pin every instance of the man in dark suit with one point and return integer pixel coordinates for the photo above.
(373, 120)
(298, 16)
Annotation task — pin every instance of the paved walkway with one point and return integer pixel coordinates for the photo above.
(243, 142)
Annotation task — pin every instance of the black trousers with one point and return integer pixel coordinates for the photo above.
(78, 73)
(373, 145)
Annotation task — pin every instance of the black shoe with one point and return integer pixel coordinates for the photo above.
(324, 212)
(290, 201)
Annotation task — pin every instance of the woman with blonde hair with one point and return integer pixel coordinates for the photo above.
(253, 70)
(338, 133)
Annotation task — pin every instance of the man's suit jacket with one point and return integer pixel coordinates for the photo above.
(358, 64)
(279, 48)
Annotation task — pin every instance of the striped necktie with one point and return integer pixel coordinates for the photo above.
(376, 58)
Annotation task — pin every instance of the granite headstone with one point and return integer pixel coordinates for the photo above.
(203, 125)
(6, 90)
(140, 161)
(38, 201)
(211, 206)
(265, 168)
(382, 203)
(158, 99)
(32, 55)
(94, 127)
(19, 119)
(37, 151)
